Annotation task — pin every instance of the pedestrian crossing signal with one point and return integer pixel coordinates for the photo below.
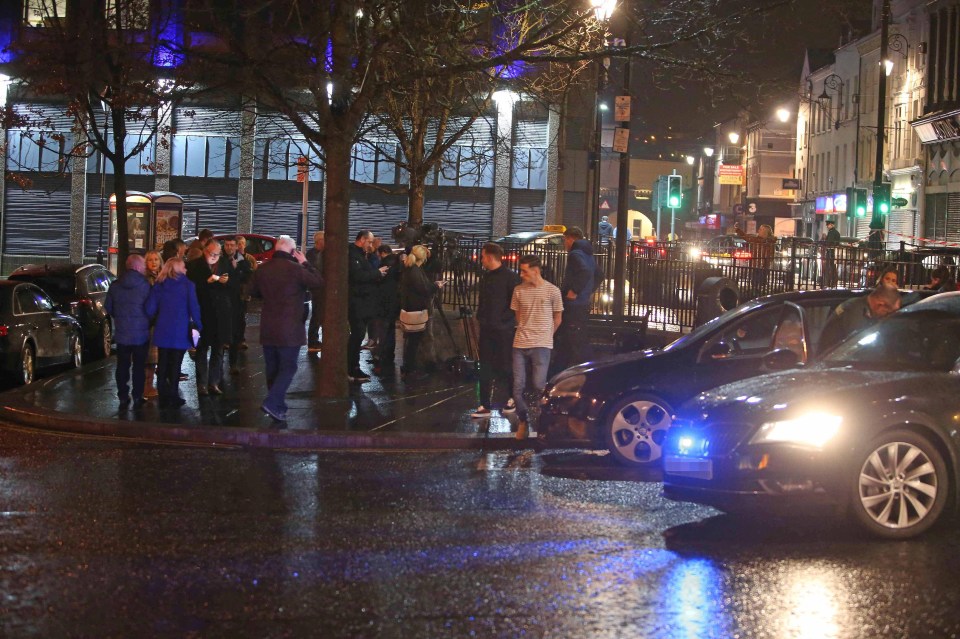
(674, 191)
(881, 198)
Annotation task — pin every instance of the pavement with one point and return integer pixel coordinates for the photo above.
(384, 413)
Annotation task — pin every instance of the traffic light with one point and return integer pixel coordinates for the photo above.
(856, 202)
(881, 198)
(674, 191)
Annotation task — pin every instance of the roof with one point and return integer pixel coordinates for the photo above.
(819, 58)
(36, 270)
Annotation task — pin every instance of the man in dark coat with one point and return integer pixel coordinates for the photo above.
(211, 274)
(315, 257)
(389, 291)
(237, 286)
(364, 302)
(125, 304)
(580, 279)
(282, 282)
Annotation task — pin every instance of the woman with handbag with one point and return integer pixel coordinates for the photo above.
(173, 304)
(416, 295)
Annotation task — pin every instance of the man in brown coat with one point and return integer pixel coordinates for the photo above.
(282, 283)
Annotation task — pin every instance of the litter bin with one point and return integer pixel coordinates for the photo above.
(716, 295)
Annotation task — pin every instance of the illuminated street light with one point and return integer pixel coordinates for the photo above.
(734, 137)
(888, 66)
(604, 107)
(708, 151)
(603, 9)
(783, 114)
(690, 160)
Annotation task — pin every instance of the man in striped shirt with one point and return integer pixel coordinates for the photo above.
(538, 306)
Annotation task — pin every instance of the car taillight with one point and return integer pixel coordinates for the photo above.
(85, 302)
(742, 255)
(4, 330)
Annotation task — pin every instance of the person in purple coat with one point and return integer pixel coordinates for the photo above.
(282, 283)
(173, 305)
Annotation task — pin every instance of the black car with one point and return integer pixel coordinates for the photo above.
(33, 334)
(870, 430)
(625, 403)
(80, 290)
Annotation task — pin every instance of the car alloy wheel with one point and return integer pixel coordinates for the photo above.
(901, 487)
(636, 428)
(106, 336)
(76, 351)
(27, 364)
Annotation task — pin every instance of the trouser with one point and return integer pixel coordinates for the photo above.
(316, 315)
(496, 362)
(358, 328)
(411, 345)
(387, 339)
(539, 359)
(209, 371)
(169, 361)
(571, 337)
(239, 329)
(280, 365)
(131, 355)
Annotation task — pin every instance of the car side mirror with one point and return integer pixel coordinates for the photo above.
(780, 359)
(719, 350)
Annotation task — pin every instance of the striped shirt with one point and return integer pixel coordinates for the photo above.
(535, 306)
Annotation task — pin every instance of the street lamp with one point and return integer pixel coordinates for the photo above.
(734, 137)
(833, 82)
(690, 160)
(783, 114)
(708, 151)
(603, 9)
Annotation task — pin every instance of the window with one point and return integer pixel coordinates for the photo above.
(128, 14)
(46, 151)
(276, 159)
(28, 299)
(754, 334)
(375, 164)
(42, 13)
(529, 168)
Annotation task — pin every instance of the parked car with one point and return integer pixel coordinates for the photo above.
(724, 250)
(870, 430)
(261, 247)
(516, 244)
(625, 404)
(78, 290)
(33, 333)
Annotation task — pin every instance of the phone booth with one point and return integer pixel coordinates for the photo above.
(152, 219)
(167, 218)
(139, 207)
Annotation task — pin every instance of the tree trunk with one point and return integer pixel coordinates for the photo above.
(415, 195)
(333, 363)
(120, 188)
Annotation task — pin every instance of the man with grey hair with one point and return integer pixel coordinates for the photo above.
(282, 282)
(125, 304)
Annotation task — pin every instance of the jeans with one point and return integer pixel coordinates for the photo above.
(209, 373)
(387, 340)
(169, 361)
(280, 363)
(496, 362)
(239, 328)
(128, 355)
(539, 359)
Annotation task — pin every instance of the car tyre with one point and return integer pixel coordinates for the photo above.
(900, 485)
(28, 365)
(635, 429)
(105, 342)
(76, 351)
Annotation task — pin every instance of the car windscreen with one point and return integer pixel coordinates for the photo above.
(919, 342)
(709, 327)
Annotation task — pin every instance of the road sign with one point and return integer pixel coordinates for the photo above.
(621, 140)
(302, 169)
(791, 184)
(621, 108)
(899, 202)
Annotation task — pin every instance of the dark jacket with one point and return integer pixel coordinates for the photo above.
(216, 299)
(363, 279)
(846, 319)
(605, 229)
(173, 305)
(242, 272)
(496, 292)
(580, 275)
(389, 290)
(125, 303)
(416, 289)
(283, 283)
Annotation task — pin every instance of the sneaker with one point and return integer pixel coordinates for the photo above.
(522, 429)
(510, 408)
(482, 411)
(358, 376)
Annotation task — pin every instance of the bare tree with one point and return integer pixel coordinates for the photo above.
(116, 65)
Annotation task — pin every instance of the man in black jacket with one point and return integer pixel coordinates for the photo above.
(211, 273)
(363, 299)
(580, 279)
(497, 325)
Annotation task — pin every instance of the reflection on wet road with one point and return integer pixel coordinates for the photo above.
(99, 538)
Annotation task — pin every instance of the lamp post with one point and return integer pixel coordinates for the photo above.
(602, 11)
(101, 251)
(876, 221)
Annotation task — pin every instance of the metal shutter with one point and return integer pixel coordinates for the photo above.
(527, 210)
(37, 220)
(277, 207)
(216, 198)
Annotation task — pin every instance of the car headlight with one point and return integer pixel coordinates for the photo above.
(814, 430)
(568, 386)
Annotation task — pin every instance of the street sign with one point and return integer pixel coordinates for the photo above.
(730, 174)
(621, 109)
(791, 184)
(738, 209)
(899, 202)
(302, 169)
(621, 140)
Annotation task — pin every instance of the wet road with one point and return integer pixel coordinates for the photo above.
(101, 538)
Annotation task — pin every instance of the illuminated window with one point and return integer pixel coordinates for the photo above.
(128, 14)
(43, 13)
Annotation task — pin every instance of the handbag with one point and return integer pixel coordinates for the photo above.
(414, 321)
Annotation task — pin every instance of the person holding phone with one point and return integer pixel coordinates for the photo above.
(211, 273)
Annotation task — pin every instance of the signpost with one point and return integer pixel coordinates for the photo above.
(303, 176)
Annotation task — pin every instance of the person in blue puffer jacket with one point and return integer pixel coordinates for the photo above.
(173, 305)
(125, 303)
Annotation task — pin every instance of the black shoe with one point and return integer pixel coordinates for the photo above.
(277, 417)
(124, 401)
(139, 402)
(202, 390)
(172, 402)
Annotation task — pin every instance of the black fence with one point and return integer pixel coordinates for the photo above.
(666, 284)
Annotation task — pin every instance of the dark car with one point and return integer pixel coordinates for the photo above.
(625, 403)
(725, 250)
(79, 290)
(516, 244)
(871, 430)
(33, 333)
(261, 247)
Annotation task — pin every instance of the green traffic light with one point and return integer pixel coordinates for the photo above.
(861, 211)
(674, 202)
(884, 207)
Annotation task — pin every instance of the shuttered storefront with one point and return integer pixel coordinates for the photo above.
(527, 211)
(216, 200)
(277, 206)
(942, 217)
(37, 220)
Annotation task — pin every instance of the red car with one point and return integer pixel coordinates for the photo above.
(259, 246)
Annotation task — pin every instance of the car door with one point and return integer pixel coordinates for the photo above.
(737, 351)
(61, 328)
(36, 321)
